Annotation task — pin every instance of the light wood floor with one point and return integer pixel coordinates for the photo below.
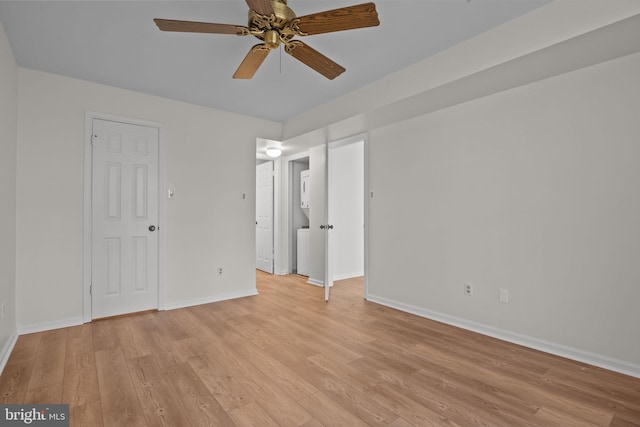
(287, 358)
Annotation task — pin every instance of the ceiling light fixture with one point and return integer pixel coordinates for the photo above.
(274, 149)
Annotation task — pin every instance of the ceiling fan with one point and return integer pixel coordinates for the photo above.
(273, 22)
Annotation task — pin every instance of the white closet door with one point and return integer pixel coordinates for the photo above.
(264, 217)
(124, 249)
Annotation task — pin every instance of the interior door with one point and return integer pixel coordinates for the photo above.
(124, 229)
(328, 265)
(264, 217)
(317, 216)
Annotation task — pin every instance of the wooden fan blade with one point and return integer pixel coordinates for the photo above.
(314, 59)
(263, 7)
(252, 62)
(346, 18)
(200, 27)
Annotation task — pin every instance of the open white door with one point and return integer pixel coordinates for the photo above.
(328, 274)
(264, 217)
(124, 226)
(317, 215)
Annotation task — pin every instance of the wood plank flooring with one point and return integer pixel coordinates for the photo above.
(287, 358)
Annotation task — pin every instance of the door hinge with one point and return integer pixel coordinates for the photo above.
(90, 289)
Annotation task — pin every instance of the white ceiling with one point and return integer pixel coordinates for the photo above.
(117, 43)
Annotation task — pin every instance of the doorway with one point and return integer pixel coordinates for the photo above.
(326, 212)
(346, 209)
(299, 207)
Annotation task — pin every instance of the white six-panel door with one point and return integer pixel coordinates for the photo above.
(264, 217)
(124, 230)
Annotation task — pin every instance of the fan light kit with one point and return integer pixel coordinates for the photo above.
(273, 22)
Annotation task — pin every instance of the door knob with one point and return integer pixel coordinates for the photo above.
(330, 227)
(322, 227)
(152, 228)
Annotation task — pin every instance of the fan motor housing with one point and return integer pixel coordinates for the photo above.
(275, 27)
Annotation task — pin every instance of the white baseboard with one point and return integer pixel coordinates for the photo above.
(48, 326)
(207, 300)
(347, 276)
(598, 360)
(315, 282)
(6, 351)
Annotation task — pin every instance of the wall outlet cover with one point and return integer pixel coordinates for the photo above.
(468, 288)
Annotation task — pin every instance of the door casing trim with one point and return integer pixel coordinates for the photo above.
(162, 205)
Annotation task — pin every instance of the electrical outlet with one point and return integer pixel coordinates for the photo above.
(504, 295)
(468, 288)
(220, 270)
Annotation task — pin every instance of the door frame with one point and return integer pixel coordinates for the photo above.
(87, 206)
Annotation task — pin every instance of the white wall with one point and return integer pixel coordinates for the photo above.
(529, 185)
(210, 163)
(346, 205)
(546, 26)
(534, 190)
(8, 165)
